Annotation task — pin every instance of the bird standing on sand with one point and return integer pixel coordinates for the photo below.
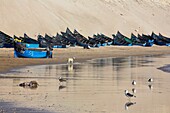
(150, 80)
(129, 95)
(71, 60)
(62, 79)
(133, 82)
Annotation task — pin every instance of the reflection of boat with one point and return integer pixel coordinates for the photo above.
(20, 51)
(128, 104)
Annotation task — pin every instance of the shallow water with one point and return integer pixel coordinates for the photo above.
(96, 86)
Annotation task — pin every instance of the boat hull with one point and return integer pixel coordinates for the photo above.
(32, 54)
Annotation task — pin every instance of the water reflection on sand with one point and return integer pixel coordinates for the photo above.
(96, 86)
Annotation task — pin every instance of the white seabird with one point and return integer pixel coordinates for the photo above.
(133, 82)
(129, 95)
(150, 80)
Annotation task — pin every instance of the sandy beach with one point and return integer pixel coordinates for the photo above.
(90, 88)
(81, 55)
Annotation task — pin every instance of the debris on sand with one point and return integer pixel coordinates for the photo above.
(31, 84)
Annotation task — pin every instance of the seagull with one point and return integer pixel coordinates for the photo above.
(133, 82)
(134, 90)
(150, 80)
(62, 79)
(129, 95)
(128, 104)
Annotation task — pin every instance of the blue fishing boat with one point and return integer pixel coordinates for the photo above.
(32, 45)
(120, 39)
(147, 39)
(6, 41)
(136, 41)
(21, 51)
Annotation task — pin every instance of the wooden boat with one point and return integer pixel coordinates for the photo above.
(42, 41)
(147, 39)
(6, 40)
(83, 41)
(29, 40)
(93, 40)
(158, 40)
(98, 38)
(69, 37)
(104, 40)
(120, 39)
(31, 45)
(20, 51)
(166, 39)
(61, 42)
(50, 39)
(136, 41)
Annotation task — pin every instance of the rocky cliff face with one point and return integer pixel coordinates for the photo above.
(88, 16)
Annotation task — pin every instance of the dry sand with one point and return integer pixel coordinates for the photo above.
(61, 55)
(88, 16)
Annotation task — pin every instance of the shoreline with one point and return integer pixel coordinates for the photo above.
(60, 56)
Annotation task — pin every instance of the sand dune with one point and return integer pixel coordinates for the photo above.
(88, 16)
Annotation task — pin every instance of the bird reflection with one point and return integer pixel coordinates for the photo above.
(150, 86)
(133, 90)
(70, 67)
(150, 80)
(61, 87)
(128, 104)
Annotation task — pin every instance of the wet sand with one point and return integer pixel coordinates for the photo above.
(165, 68)
(8, 61)
(7, 107)
(90, 88)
